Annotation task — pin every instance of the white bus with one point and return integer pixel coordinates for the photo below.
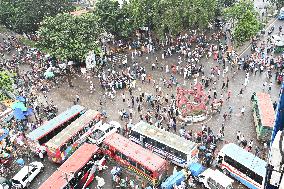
(242, 165)
(168, 145)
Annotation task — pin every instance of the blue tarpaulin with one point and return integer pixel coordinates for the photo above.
(19, 105)
(176, 178)
(19, 114)
(21, 98)
(5, 134)
(28, 112)
(196, 169)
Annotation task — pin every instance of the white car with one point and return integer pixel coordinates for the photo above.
(27, 174)
(214, 179)
(103, 130)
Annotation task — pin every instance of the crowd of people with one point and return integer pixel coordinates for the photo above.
(187, 53)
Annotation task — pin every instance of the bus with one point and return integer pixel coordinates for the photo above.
(136, 159)
(168, 145)
(264, 115)
(242, 165)
(77, 172)
(52, 127)
(60, 147)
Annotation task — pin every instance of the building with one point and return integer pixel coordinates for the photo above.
(275, 168)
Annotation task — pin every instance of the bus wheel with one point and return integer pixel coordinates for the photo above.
(226, 172)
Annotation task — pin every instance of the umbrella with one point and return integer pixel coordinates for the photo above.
(21, 162)
(19, 105)
(21, 98)
(18, 114)
(48, 75)
(4, 134)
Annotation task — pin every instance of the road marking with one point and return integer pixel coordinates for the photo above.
(265, 32)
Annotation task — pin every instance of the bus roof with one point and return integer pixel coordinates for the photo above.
(72, 129)
(55, 122)
(170, 139)
(246, 158)
(136, 152)
(266, 110)
(76, 161)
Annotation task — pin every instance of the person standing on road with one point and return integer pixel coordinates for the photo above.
(77, 99)
(238, 136)
(243, 111)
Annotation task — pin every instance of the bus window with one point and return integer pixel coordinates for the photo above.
(258, 179)
(118, 154)
(161, 146)
(148, 172)
(133, 163)
(229, 160)
(150, 141)
(135, 134)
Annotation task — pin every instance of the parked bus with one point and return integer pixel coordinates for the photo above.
(242, 165)
(60, 147)
(264, 115)
(166, 144)
(78, 170)
(135, 158)
(52, 127)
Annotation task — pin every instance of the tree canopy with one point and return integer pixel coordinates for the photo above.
(160, 16)
(6, 83)
(24, 16)
(70, 37)
(244, 18)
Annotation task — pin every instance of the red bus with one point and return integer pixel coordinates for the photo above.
(60, 147)
(77, 172)
(52, 127)
(135, 158)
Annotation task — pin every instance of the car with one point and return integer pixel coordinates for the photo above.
(281, 14)
(27, 174)
(100, 132)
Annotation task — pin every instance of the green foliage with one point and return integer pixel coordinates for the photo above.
(24, 16)
(69, 37)
(109, 15)
(244, 16)
(6, 83)
(160, 16)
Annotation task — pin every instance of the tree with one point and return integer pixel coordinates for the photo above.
(246, 27)
(6, 83)
(108, 13)
(70, 37)
(24, 16)
(244, 18)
